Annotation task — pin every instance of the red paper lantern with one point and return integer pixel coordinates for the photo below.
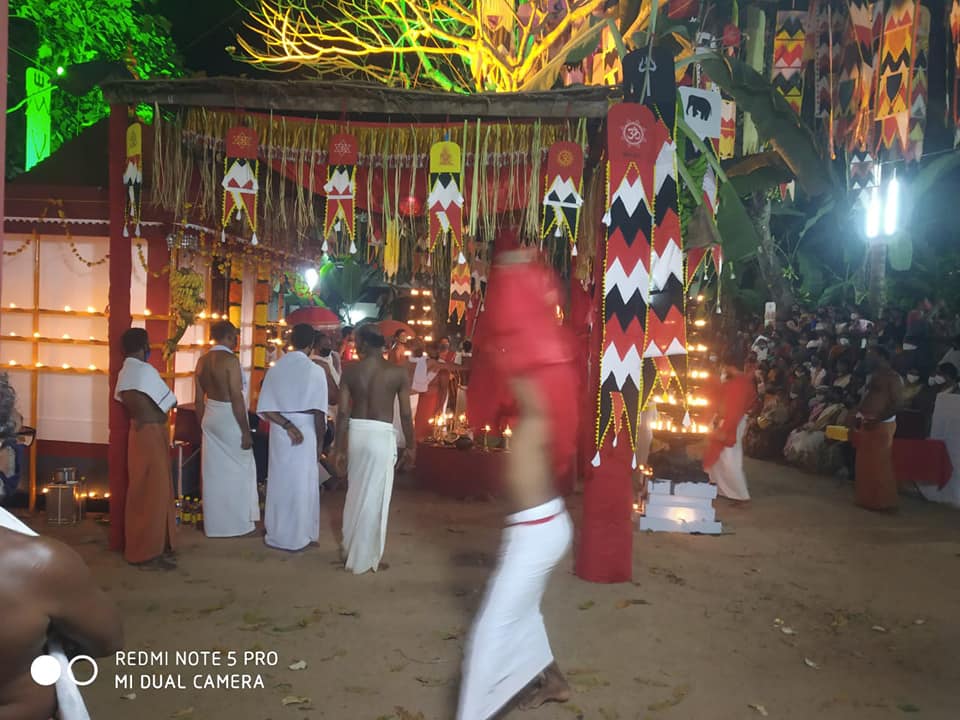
(410, 206)
(731, 35)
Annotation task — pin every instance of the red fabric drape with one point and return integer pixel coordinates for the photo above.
(121, 265)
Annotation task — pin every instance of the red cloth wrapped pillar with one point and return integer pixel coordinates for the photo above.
(605, 552)
(158, 297)
(118, 322)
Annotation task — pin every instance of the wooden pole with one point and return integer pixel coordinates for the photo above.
(121, 267)
(35, 374)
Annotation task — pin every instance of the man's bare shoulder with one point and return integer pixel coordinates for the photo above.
(43, 560)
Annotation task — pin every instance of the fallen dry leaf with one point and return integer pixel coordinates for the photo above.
(586, 605)
(879, 628)
(295, 700)
(679, 693)
(299, 665)
(185, 713)
(621, 604)
(129, 696)
(810, 664)
(760, 709)
(788, 630)
(404, 714)
(432, 682)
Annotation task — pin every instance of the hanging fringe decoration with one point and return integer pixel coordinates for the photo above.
(445, 201)
(133, 179)
(239, 183)
(340, 189)
(563, 199)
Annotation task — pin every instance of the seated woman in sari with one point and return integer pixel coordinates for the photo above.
(806, 445)
(767, 433)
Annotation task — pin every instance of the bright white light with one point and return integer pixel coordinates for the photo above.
(891, 209)
(355, 316)
(311, 277)
(873, 214)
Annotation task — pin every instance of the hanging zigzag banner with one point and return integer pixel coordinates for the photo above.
(133, 178)
(340, 190)
(459, 291)
(830, 21)
(918, 89)
(666, 331)
(239, 183)
(563, 198)
(445, 201)
(634, 140)
(896, 61)
(787, 73)
(855, 89)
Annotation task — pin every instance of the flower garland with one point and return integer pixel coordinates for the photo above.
(146, 268)
(186, 302)
(35, 236)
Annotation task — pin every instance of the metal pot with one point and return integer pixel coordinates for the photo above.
(66, 475)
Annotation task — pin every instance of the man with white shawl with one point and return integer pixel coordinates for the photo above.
(149, 513)
(294, 401)
(43, 585)
(231, 505)
(366, 447)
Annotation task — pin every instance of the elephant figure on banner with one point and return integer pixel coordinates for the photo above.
(699, 107)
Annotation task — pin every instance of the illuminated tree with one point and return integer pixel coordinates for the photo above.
(464, 45)
(74, 32)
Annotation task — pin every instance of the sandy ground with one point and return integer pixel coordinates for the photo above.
(807, 607)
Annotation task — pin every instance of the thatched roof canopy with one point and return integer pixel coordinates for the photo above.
(316, 97)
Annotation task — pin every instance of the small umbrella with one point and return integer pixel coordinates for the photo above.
(320, 318)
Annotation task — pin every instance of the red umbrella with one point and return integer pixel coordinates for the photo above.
(320, 318)
(388, 328)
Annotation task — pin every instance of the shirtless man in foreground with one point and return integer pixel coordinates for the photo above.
(508, 659)
(366, 447)
(45, 587)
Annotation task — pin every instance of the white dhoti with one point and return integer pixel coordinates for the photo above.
(292, 514)
(508, 645)
(727, 472)
(231, 506)
(371, 456)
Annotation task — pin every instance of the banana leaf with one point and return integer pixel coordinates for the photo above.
(933, 172)
(900, 252)
(737, 231)
(776, 121)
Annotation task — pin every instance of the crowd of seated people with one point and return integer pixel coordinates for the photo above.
(810, 374)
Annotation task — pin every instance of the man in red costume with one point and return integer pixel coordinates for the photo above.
(530, 357)
(723, 458)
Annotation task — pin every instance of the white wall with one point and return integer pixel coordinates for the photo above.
(71, 408)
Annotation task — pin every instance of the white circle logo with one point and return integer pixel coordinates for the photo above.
(46, 670)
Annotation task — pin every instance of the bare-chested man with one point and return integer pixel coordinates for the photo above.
(508, 656)
(46, 591)
(366, 447)
(231, 504)
(875, 485)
